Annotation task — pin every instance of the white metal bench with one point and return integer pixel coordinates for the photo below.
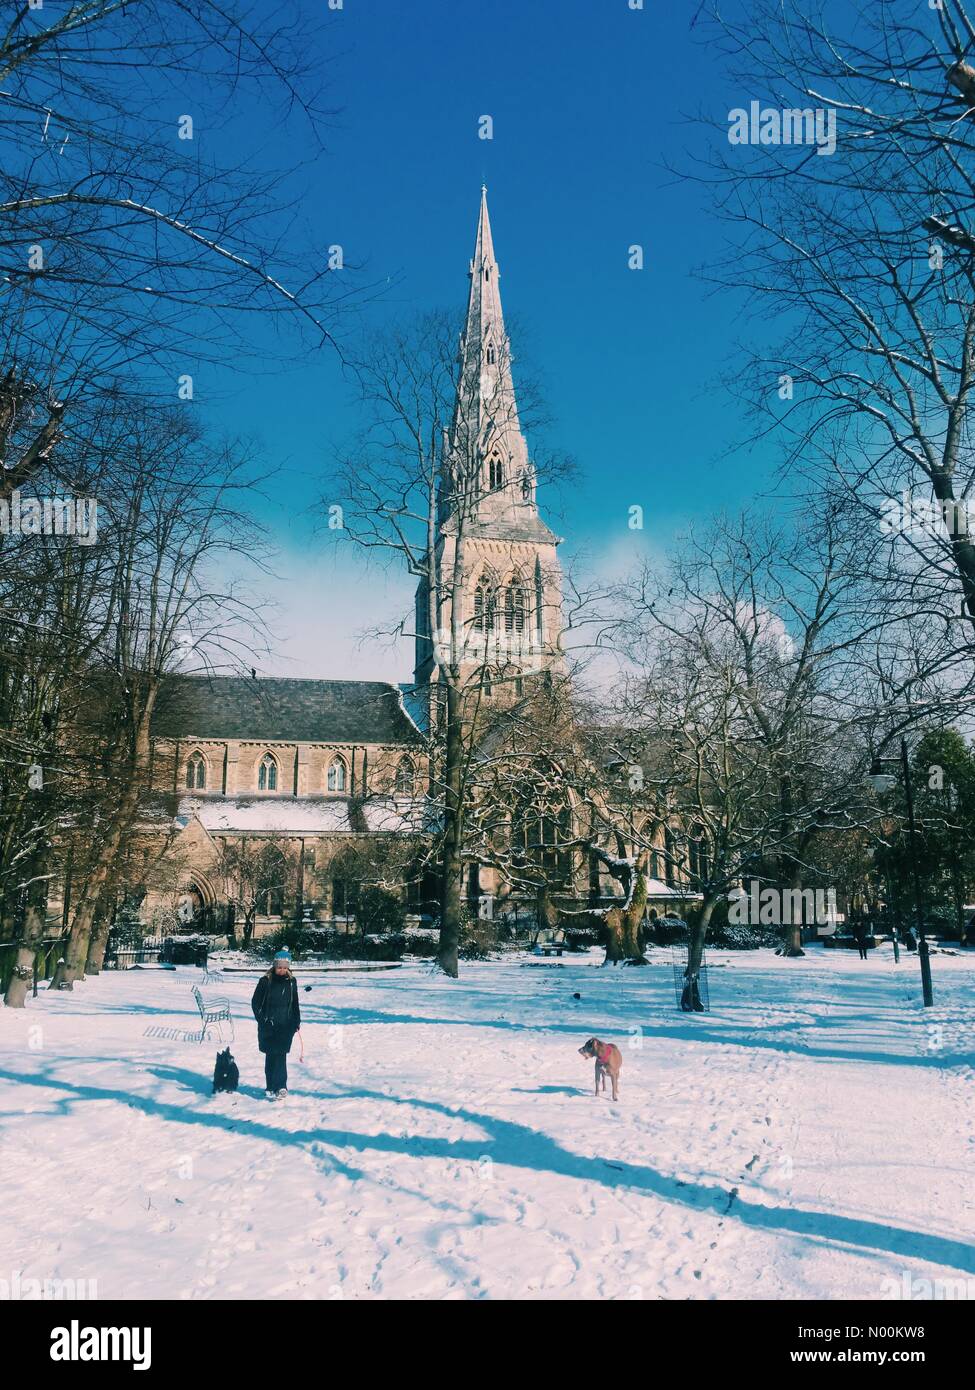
(215, 1010)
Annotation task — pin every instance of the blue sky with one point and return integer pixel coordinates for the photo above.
(589, 99)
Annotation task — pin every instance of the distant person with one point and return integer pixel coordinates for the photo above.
(861, 935)
(275, 1005)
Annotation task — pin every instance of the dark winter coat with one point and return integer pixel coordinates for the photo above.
(275, 1005)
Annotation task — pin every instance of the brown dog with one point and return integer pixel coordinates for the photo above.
(609, 1059)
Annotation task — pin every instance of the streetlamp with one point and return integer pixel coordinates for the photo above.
(951, 827)
(884, 782)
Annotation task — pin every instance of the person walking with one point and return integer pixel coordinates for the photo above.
(861, 934)
(275, 1006)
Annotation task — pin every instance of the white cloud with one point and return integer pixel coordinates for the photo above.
(325, 603)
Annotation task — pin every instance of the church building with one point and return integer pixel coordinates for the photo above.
(328, 777)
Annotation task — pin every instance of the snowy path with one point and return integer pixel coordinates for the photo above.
(813, 1137)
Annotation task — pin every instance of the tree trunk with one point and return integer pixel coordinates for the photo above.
(250, 921)
(451, 890)
(632, 916)
(691, 997)
(962, 549)
(623, 924)
(99, 940)
(451, 912)
(72, 967)
(793, 934)
(614, 937)
(35, 920)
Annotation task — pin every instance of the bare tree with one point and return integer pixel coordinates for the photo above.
(54, 613)
(852, 205)
(128, 245)
(174, 529)
(752, 654)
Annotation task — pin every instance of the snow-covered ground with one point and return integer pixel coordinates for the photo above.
(813, 1137)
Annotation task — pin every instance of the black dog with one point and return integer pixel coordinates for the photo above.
(226, 1073)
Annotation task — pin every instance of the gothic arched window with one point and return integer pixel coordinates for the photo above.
(267, 774)
(490, 355)
(196, 771)
(336, 776)
(541, 836)
(485, 604)
(406, 778)
(495, 472)
(272, 876)
(515, 606)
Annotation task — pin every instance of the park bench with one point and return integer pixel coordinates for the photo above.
(214, 1010)
(550, 941)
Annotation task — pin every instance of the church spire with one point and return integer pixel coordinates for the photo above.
(484, 314)
(510, 592)
(487, 450)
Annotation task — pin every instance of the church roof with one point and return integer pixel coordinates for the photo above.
(295, 711)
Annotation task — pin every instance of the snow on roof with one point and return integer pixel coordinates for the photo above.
(301, 815)
(393, 816)
(274, 815)
(656, 888)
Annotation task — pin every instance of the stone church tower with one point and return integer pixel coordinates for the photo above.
(510, 619)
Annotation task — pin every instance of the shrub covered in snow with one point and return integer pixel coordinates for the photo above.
(422, 944)
(300, 941)
(330, 944)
